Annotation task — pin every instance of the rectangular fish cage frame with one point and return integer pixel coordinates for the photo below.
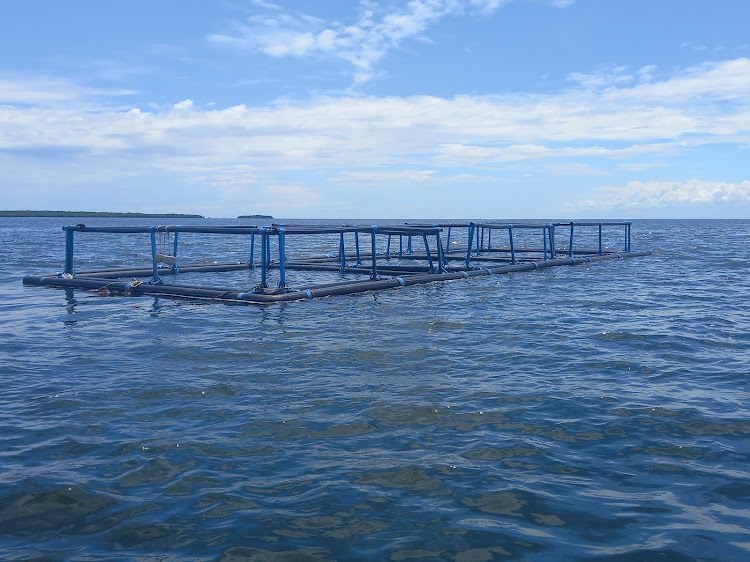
(474, 256)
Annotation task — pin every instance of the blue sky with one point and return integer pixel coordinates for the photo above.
(377, 109)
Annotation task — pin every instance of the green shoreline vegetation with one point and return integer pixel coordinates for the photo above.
(94, 214)
(107, 214)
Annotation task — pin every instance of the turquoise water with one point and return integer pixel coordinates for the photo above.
(593, 412)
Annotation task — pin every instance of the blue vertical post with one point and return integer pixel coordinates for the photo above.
(252, 251)
(570, 244)
(512, 248)
(282, 259)
(356, 248)
(468, 247)
(442, 261)
(268, 249)
(374, 274)
(476, 228)
(263, 257)
(489, 239)
(174, 253)
(600, 239)
(448, 242)
(427, 251)
(152, 232)
(552, 248)
(68, 250)
(408, 246)
(342, 253)
(388, 248)
(545, 230)
(400, 245)
(627, 238)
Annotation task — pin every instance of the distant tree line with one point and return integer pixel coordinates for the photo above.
(94, 214)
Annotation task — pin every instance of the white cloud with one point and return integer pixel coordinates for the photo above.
(48, 90)
(670, 193)
(605, 77)
(398, 179)
(723, 80)
(371, 132)
(646, 73)
(421, 140)
(574, 169)
(640, 166)
(387, 176)
(465, 154)
(231, 175)
(362, 43)
(185, 104)
(291, 194)
(726, 80)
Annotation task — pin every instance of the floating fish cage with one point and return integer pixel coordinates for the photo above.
(334, 259)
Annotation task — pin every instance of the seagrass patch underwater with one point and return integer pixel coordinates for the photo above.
(589, 412)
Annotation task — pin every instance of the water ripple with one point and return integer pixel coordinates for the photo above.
(591, 412)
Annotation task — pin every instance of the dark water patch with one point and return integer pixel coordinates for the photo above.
(493, 454)
(242, 553)
(156, 471)
(481, 554)
(663, 468)
(281, 430)
(473, 420)
(405, 414)
(502, 503)
(316, 523)
(191, 484)
(132, 536)
(357, 529)
(217, 506)
(568, 436)
(669, 450)
(220, 390)
(411, 478)
(213, 452)
(112, 520)
(414, 554)
(650, 554)
(57, 450)
(49, 510)
(736, 491)
(344, 430)
(705, 427)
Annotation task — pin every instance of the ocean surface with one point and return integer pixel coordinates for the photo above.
(596, 412)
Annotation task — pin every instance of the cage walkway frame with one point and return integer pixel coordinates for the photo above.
(472, 257)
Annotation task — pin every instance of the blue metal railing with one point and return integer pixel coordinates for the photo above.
(436, 257)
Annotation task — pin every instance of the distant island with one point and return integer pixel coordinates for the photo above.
(255, 217)
(95, 214)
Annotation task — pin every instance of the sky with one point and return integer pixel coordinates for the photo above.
(377, 109)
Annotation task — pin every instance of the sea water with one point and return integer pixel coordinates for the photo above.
(596, 412)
